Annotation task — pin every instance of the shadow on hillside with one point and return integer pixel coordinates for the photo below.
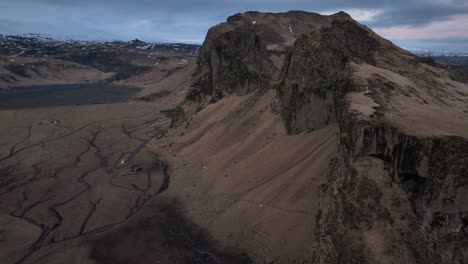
(164, 236)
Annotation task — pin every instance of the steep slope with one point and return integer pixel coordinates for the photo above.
(396, 189)
(243, 178)
(236, 169)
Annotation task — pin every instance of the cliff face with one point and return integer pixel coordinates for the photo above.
(397, 191)
(246, 54)
(315, 76)
(394, 194)
(394, 198)
(232, 62)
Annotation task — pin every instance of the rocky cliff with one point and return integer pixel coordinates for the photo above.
(397, 191)
(394, 198)
(315, 74)
(394, 194)
(246, 54)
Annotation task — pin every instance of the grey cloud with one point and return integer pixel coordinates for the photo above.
(409, 11)
(172, 20)
(448, 44)
(417, 15)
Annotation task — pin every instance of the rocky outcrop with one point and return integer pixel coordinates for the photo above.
(236, 61)
(231, 62)
(394, 198)
(315, 76)
(246, 54)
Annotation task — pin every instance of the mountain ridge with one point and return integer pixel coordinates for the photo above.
(400, 121)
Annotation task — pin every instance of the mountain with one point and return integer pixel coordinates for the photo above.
(285, 138)
(34, 59)
(455, 62)
(438, 53)
(335, 145)
(263, 40)
(40, 45)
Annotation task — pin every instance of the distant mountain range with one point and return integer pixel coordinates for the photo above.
(39, 45)
(443, 56)
(41, 59)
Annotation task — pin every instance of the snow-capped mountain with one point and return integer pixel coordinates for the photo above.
(40, 45)
(437, 53)
(442, 56)
(42, 57)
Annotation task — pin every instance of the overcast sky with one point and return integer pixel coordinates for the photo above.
(425, 24)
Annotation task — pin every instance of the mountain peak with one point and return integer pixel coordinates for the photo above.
(342, 14)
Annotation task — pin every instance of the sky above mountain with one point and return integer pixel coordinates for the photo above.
(424, 24)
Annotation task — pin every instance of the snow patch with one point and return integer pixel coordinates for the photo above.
(144, 47)
(183, 61)
(19, 54)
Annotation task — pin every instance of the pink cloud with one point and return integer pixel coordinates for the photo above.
(457, 26)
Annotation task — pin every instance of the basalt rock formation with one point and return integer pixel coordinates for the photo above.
(394, 198)
(397, 191)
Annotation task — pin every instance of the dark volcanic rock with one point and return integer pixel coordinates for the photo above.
(246, 54)
(394, 198)
(235, 61)
(316, 74)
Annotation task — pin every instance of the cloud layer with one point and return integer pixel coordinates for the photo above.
(188, 21)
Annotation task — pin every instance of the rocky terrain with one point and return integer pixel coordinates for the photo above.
(395, 189)
(291, 138)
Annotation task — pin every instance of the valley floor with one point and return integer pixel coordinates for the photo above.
(214, 190)
(61, 181)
